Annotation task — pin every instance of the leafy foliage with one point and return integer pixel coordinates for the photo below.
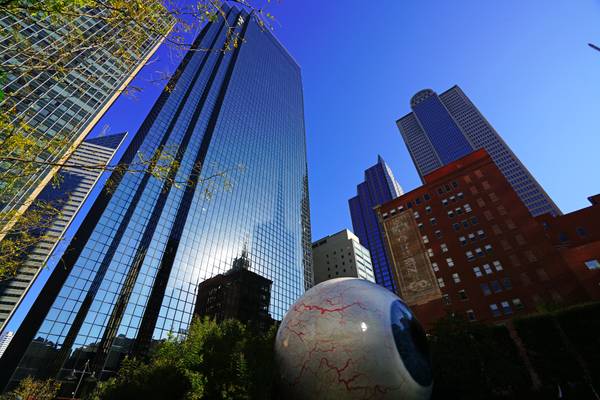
(215, 361)
(31, 389)
(474, 361)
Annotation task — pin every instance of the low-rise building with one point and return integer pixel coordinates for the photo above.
(576, 235)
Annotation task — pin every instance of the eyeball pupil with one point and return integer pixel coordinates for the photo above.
(411, 343)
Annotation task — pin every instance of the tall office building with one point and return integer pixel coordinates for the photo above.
(75, 184)
(464, 244)
(5, 339)
(341, 256)
(131, 274)
(444, 128)
(61, 106)
(379, 187)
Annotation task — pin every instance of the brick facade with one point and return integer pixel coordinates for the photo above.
(491, 259)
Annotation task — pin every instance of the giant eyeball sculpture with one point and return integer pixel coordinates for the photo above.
(349, 338)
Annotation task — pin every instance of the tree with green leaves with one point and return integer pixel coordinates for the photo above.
(225, 360)
(32, 389)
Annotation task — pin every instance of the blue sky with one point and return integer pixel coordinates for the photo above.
(525, 64)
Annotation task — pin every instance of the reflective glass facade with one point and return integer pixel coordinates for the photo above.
(379, 187)
(134, 269)
(66, 104)
(444, 128)
(76, 183)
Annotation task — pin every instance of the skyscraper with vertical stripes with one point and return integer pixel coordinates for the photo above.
(379, 187)
(444, 128)
(235, 122)
(58, 105)
(75, 184)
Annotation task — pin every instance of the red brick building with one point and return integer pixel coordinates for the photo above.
(465, 243)
(577, 237)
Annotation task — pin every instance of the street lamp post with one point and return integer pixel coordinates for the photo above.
(86, 370)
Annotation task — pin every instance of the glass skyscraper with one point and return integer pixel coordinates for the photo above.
(76, 183)
(130, 275)
(444, 128)
(379, 187)
(61, 106)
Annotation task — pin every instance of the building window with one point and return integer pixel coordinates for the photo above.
(418, 200)
(445, 202)
(451, 214)
(427, 197)
(485, 289)
(497, 265)
(409, 204)
(471, 315)
(430, 252)
(530, 256)
(441, 283)
(454, 184)
(438, 233)
(495, 310)
(477, 272)
(488, 215)
(425, 239)
(481, 234)
(462, 240)
(456, 226)
(470, 255)
(460, 195)
(435, 266)
(493, 197)
(473, 190)
(479, 252)
(581, 231)
(472, 237)
(496, 229)
(495, 286)
(450, 262)
(520, 239)
(428, 209)
(486, 185)
(563, 237)
(444, 247)
(487, 269)
(480, 202)
(456, 278)
(468, 208)
(453, 199)
(506, 308)
(416, 214)
(467, 179)
(514, 259)
(488, 248)
(446, 299)
(463, 295)
(458, 210)
(433, 221)
(465, 223)
(592, 264)
(518, 304)
(474, 221)
(507, 283)
(420, 225)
